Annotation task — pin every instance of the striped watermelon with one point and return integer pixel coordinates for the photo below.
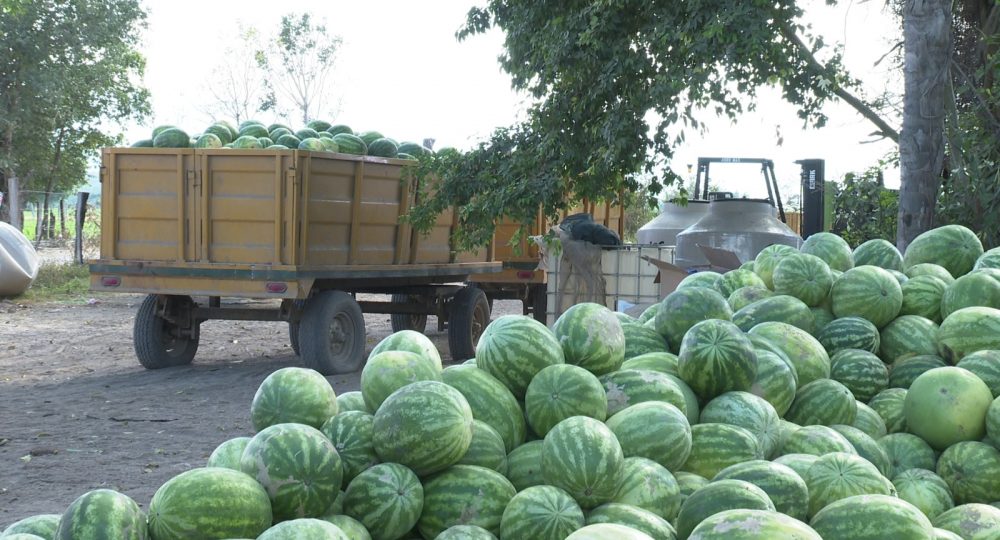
(922, 296)
(351, 434)
(804, 276)
(986, 366)
(561, 391)
(209, 503)
(410, 341)
(630, 516)
(816, 441)
(907, 451)
(800, 463)
(706, 279)
(969, 330)
(716, 357)
(490, 401)
(689, 483)
(591, 337)
(426, 426)
(304, 528)
(929, 269)
(388, 371)
(641, 339)
(871, 517)
(227, 454)
(486, 449)
(767, 259)
(906, 370)
(993, 423)
(298, 466)
(744, 296)
(975, 289)
(878, 252)
(717, 497)
(524, 465)
(900, 277)
(869, 421)
(849, 333)
(608, 531)
(664, 362)
(352, 401)
(860, 371)
(465, 532)
(947, 405)
(868, 292)
(690, 398)
(349, 526)
(831, 248)
(649, 313)
(779, 308)
(648, 485)
(717, 446)
(105, 513)
(839, 475)
(786, 489)
(350, 144)
(908, 335)
(387, 499)
(513, 348)
(954, 247)
(941, 534)
(889, 405)
(464, 495)
(582, 456)
(785, 431)
(775, 381)
(654, 430)
(542, 512)
(867, 447)
(684, 308)
(748, 411)
(822, 316)
(989, 259)
(632, 386)
(737, 279)
(972, 470)
(41, 525)
(338, 505)
(293, 394)
(742, 524)
(824, 402)
(925, 490)
(971, 521)
(796, 347)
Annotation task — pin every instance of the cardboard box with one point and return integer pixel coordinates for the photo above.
(669, 275)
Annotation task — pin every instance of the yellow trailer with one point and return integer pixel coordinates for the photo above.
(313, 229)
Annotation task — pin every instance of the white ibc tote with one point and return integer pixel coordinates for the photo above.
(18, 261)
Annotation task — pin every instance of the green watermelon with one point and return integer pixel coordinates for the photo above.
(972, 470)
(561, 391)
(304, 528)
(744, 296)
(941, 534)
(350, 144)
(413, 149)
(328, 144)
(171, 137)
(922, 296)
(800, 463)
(247, 142)
(889, 405)
(690, 399)
(209, 503)
(929, 269)
(742, 524)
(817, 441)
(796, 347)
(465, 532)
(253, 130)
(276, 133)
(486, 449)
(631, 386)
(307, 133)
(779, 308)
(840, 475)
(822, 316)
(868, 292)
(878, 252)
(849, 333)
(524, 465)
(824, 402)
(382, 148)
(832, 249)
(387, 499)
(900, 277)
(717, 446)
(706, 279)
(293, 395)
(426, 425)
(768, 259)
(369, 136)
(907, 451)
(869, 421)
(925, 490)
(688, 483)
(971, 521)
(947, 405)
(339, 128)
(867, 447)
(464, 495)
(803, 276)
(716, 357)
(41, 525)
(775, 381)
(975, 289)
(208, 140)
(953, 247)
(490, 402)
(871, 517)
(351, 434)
(748, 411)
(352, 401)
(785, 431)
(662, 362)
(648, 485)
(513, 348)
(227, 454)
(969, 330)
(608, 531)
(908, 335)
(288, 140)
(582, 456)
(313, 144)
(907, 369)
(720, 495)
(222, 132)
(860, 371)
(349, 526)
(684, 308)
(630, 516)
(986, 365)
(640, 340)
(105, 513)
(655, 430)
(142, 143)
(388, 371)
(786, 489)
(542, 512)
(737, 279)
(649, 313)
(591, 337)
(318, 125)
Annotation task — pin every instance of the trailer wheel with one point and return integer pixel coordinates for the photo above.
(158, 342)
(468, 316)
(407, 321)
(332, 333)
(538, 296)
(293, 328)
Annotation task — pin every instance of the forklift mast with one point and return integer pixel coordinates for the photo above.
(766, 168)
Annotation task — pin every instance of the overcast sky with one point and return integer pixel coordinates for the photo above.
(402, 72)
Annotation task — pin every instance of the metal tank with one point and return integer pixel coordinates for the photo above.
(673, 218)
(743, 226)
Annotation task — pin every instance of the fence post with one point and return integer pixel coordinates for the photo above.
(81, 214)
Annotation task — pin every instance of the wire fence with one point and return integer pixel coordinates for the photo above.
(59, 231)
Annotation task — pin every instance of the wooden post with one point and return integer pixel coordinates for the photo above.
(15, 201)
(62, 217)
(81, 215)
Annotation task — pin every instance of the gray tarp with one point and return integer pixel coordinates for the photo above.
(18, 261)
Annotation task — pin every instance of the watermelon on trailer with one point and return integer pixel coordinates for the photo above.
(103, 513)
(986, 365)
(351, 434)
(541, 512)
(655, 430)
(744, 296)
(648, 485)
(293, 395)
(889, 405)
(513, 348)
(631, 386)
(925, 490)
(289, 140)
(779, 308)
(867, 447)
(388, 371)
(748, 411)
(768, 259)
(561, 391)
(953, 247)
(464, 495)
(717, 446)
(947, 405)
(254, 130)
(591, 337)
(803, 276)
(304, 528)
(971, 521)
(630, 516)
(486, 449)
(824, 402)
(737, 279)
(350, 144)
(171, 137)
(208, 140)
(796, 347)
(582, 456)
(786, 489)
(879, 252)
(849, 333)
(971, 470)
(968, 330)
(684, 308)
(340, 128)
(817, 441)
(906, 370)
(227, 454)
(524, 465)
(490, 401)
(860, 371)
(718, 496)
(716, 357)
(387, 499)
(907, 451)
(775, 381)
(383, 148)
(248, 142)
(922, 296)
(222, 132)
(868, 292)
(742, 524)
(871, 517)
(209, 503)
(840, 475)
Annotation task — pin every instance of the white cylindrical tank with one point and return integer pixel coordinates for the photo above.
(743, 226)
(18, 261)
(673, 218)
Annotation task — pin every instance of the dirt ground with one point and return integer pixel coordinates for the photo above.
(77, 412)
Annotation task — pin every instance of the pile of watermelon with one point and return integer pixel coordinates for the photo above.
(316, 136)
(818, 393)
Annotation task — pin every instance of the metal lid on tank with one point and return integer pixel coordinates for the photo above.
(674, 218)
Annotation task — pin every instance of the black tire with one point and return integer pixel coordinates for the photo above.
(406, 321)
(156, 342)
(539, 303)
(293, 337)
(468, 316)
(332, 333)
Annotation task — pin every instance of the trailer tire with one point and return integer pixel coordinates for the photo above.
(406, 321)
(332, 333)
(468, 317)
(155, 346)
(293, 326)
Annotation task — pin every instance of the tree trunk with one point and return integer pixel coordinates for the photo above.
(926, 70)
(62, 217)
(14, 194)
